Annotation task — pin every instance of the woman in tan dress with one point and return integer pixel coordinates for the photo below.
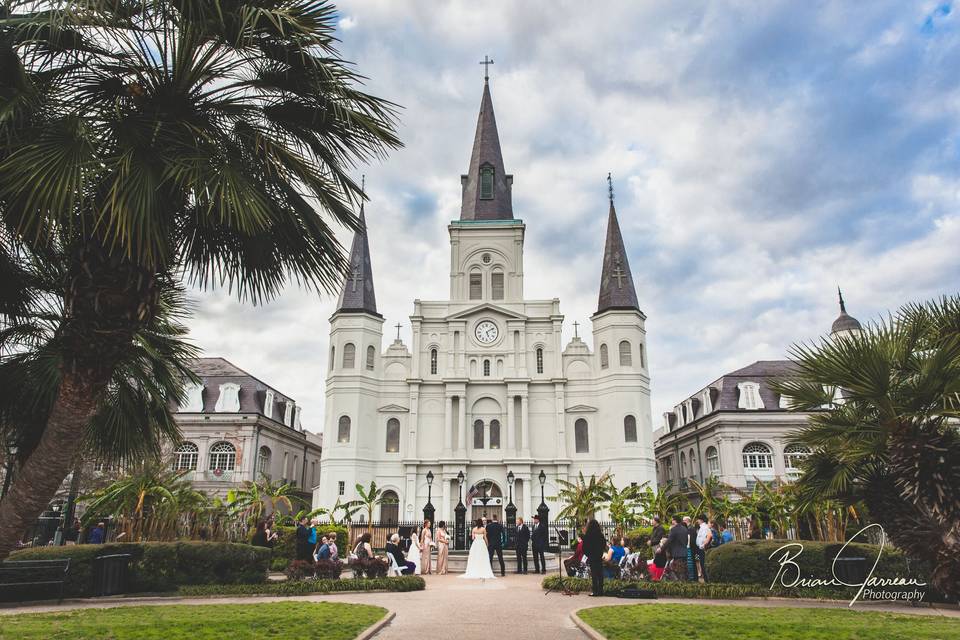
(443, 544)
(426, 544)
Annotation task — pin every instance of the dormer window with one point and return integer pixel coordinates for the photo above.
(229, 399)
(749, 396)
(486, 183)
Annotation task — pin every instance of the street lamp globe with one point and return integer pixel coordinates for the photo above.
(460, 478)
(429, 477)
(543, 478)
(510, 478)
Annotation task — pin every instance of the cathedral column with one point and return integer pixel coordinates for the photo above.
(511, 447)
(414, 420)
(448, 426)
(524, 426)
(415, 341)
(561, 422)
(528, 506)
(462, 426)
(445, 505)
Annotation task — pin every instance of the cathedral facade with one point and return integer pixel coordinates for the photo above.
(486, 396)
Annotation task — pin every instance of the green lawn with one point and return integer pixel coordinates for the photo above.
(327, 620)
(684, 621)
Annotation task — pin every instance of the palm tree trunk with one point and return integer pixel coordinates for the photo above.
(43, 471)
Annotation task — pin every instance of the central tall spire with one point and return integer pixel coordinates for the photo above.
(486, 186)
(357, 295)
(616, 282)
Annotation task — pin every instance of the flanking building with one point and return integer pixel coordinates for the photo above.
(736, 427)
(236, 428)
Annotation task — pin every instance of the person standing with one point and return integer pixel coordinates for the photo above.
(677, 546)
(495, 542)
(539, 539)
(304, 548)
(594, 546)
(443, 548)
(312, 539)
(704, 540)
(725, 534)
(260, 535)
(72, 533)
(691, 549)
(98, 535)
(523, 540)
(413, 551)
(657, 534)
(426, 549)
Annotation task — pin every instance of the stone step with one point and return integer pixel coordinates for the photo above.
(457, 562)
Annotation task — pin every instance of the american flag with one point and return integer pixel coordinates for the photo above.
(474, 491)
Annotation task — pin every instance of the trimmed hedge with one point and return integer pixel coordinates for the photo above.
(158, 566)
(708, 590)
(749, 562)
(306, 587)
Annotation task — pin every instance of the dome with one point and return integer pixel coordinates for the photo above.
(844, 322)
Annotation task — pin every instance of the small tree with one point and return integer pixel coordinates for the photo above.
(623, 505)
(583, 498)
(257, 500)
(370, 497)
(660, 502)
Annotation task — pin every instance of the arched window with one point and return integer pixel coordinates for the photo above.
(263, 461)
(539, 359)
(486, 183)
(793, 457)
(604, 357)
(389, 508)
(478, 434)
(371, 357)
(496, 285)
(333, 357)
(223, 457)
(349, 353)
(757, 455)
(694, 471)
(581, 436)
(626, 355)
(393, 435)
(713, 461)
(476, 285)
(486, 368)
(343, 429)
(683, 464)
(629, 429)
(433, 362)
(185, 457)
(643, 360)
(494, 434)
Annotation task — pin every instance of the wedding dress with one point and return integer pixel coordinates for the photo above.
(478, 562)
(413, 554)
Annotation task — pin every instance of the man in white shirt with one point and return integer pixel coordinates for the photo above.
(704, 540)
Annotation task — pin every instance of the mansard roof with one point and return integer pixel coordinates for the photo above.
(214, 372)
(486, 154)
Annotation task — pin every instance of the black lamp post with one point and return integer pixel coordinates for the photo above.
(543, 510)
(511, 511)
(460, 523)
(428, 510)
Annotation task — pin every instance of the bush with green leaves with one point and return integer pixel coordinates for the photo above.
(323, 569)
(369, 567)
(306, 587)
(160, 566)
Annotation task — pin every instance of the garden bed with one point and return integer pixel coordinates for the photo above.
(706, 590)
(261, 621)
(305, 587)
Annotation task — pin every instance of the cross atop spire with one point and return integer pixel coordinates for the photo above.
(610, 187)
(357, 294)
(486, 68)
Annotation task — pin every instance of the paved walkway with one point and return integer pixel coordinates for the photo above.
(511, 607)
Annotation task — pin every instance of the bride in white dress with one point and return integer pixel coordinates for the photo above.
(413, 553)
(478, 562)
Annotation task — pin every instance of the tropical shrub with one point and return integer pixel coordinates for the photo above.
(305, 587)
(369, 567)
(299, 569)
(322, 569)
(160, 566)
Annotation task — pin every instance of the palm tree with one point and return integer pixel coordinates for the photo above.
(257, 500)
(623, 505)
(148, 500)
(583, 498)
(660, 502)
(890, 438)
(711, 493)
(143, 143)
(370, 497)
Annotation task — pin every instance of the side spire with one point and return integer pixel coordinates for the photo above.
(487, 189)
(357, 295)
(616, 280)
(843, 307)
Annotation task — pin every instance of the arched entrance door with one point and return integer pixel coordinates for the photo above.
(487, 502)
(389, 508)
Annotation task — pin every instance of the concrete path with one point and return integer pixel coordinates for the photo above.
(505, 608)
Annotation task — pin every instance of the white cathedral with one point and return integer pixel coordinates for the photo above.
(487, 389)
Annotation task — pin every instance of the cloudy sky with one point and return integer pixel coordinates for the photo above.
(762, 154)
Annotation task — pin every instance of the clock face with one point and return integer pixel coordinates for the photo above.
(486, 332)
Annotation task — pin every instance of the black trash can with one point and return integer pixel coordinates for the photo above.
(110, 574)
(850, 570)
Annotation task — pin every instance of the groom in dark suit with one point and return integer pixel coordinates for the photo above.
(540, 538)
(523, 539)
(495, 542)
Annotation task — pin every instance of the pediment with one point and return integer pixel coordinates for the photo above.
(581, 408)
(486, 306)
(393, 408)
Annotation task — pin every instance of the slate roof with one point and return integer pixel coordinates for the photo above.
(725, 396)
(486, 151)
(616, 280)
(357, 295)
(216, 371)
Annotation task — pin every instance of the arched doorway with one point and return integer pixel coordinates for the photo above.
(389, 508)
(487, 502)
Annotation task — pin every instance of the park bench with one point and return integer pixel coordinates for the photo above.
(23, 573)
